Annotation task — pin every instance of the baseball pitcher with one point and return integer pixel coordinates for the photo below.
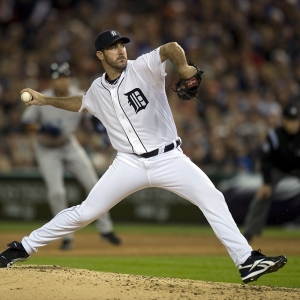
(131, 102)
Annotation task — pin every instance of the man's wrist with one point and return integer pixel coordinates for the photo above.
(186, 71)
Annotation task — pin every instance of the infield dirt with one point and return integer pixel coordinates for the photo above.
(29, 282)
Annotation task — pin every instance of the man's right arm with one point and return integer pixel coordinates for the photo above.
(174, 52)
(72, 103)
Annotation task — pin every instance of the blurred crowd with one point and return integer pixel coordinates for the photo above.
(249, 51)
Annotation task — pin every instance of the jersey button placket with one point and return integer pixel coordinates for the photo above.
(126, 124)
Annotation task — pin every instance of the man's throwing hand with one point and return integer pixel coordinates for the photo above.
(37, 98)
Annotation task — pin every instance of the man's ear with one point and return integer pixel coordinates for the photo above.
(99, 54)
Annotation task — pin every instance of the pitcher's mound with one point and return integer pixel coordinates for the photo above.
(53, 282)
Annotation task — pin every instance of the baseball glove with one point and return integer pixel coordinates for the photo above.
(187, 89)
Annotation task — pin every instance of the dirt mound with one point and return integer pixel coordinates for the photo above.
(29, 282)
(53, 282)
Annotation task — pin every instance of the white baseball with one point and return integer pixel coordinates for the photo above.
(26, 97)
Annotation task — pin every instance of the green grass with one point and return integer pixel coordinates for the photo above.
(207, 268)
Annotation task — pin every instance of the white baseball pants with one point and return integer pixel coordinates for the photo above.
(172, 171)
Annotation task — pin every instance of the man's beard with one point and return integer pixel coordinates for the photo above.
(115, 64)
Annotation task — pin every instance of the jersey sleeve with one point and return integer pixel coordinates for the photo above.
(30, 115)
(88, 101)
(150, 68)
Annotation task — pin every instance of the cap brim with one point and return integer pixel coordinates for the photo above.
(124, 39)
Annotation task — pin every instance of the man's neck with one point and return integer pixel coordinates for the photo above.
(112, 73)
(112, 81)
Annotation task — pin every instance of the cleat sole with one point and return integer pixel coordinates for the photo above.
(10, 264)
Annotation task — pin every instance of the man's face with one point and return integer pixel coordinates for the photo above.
(115, 56)
(291, 126)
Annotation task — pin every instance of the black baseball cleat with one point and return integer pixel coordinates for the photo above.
(66, 244)
(111, 238)
(14, 253)
(258, 264)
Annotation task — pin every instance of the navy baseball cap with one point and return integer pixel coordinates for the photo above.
(106, 38)
(291, 111)
(60, 70)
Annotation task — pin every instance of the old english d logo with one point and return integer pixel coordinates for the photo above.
(137, 99)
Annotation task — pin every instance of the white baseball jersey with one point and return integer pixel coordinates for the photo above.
(135, 111)
(138, 119)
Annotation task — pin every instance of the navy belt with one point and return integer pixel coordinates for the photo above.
(156, 151)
